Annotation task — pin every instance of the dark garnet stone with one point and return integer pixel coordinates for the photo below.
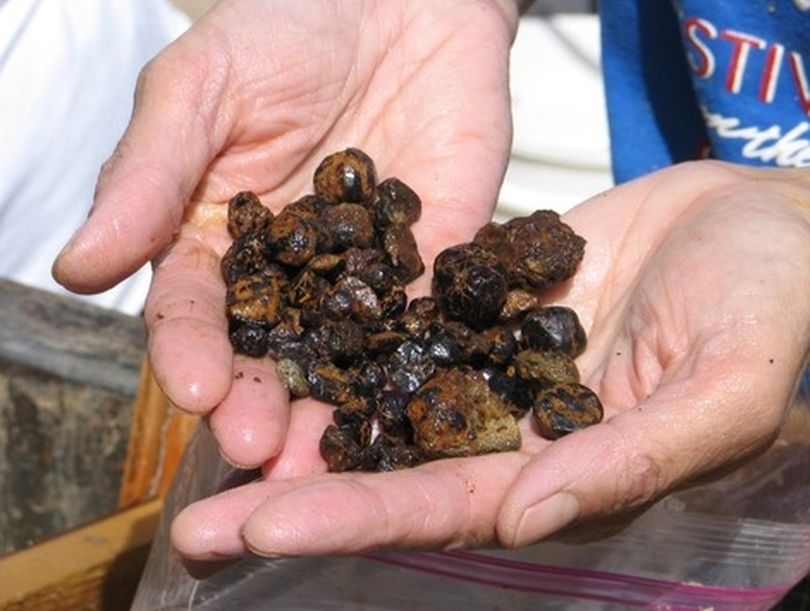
(538, 251)
(246, 214)
(348, 225)
(329, 383)
(469, 282)
(410, 366)
(419, 316)
(566, 408)
(244, 257)
(400, 246)
(249, 339)
(554, 328)
(293, 239)
(309, 206)
(340, 449)
(397, 204)
(368, 377)
(256, 299)
(346, 176)
(345, 342)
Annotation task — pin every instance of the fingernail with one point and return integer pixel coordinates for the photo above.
(70, 245)
(546, 517)
(57, 267)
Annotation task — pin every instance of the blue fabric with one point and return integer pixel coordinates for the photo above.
(687, 79)
(727, 79)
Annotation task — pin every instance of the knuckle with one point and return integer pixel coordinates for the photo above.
(639, 474)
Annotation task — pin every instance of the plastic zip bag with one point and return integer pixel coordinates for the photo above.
(740, 543)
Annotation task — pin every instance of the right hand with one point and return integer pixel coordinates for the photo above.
(251, 98)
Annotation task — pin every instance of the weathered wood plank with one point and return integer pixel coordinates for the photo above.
(68, 377)
(70, 339)
(93, 567)
(158, 436)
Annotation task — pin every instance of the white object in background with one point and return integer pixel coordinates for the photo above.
(560, 151)
(67, 75)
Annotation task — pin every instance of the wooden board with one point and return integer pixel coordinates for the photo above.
(158, 436)
(68, 378)
(93, 567)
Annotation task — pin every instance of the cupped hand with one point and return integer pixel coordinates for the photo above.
(252, 98)
(694, 291)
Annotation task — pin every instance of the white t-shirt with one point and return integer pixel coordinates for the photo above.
(67, 75)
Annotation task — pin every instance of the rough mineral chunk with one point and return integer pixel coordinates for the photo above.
(348, 225)
(469, 282)
(245, 257)
(410, 365)
(538, 251)
(547, 367)
(554, 328)
(340, 449)
(456, 414)
(293, 377)
(249, 339)
(256, 299)
(400, 246)
(346, 176)
(397, 204)
(246, 214)
(293, 239)
(329, 383)
(566, 408)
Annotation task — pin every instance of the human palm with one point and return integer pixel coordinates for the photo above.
(251, 99)
(698, 327)
(693, 287)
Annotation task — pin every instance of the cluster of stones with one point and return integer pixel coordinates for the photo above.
(320, 288)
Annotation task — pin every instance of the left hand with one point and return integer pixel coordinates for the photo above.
(694, 292)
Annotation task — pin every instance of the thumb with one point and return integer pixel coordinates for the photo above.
(680, 432)
(144, 186)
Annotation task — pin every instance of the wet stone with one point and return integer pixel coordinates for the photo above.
(456, 414)
(245, 257)
(400, 246)
(340, 449)
(454, 343)
(566, 408)
(469, 282)
(348, 225)
(554, 328)
(249, 339)
(246, 214)
(410, 366)
(346, 176)
(538, 251)
(293, 239)
(546, 367)
(329, 382)
(397, 204)
(256, 299)
(368, 376)
(293, 377)
(344, 342)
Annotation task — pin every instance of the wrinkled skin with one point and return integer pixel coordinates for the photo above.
(693, 288)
